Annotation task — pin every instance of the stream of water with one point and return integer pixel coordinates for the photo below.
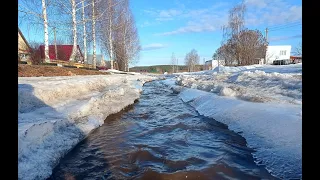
(160, 137)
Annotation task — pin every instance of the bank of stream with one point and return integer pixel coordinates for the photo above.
(160, 137)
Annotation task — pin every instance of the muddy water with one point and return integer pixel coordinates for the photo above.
(160, 137)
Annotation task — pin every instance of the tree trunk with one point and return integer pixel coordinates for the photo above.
(46, 34)
(84, 34)
(94, 35)
(74, 30)
(110, 42)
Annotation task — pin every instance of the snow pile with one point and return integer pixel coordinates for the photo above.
(257, 83)
(272, 129)
(114, 71)
(55, 113)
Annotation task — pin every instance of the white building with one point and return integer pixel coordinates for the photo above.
(99, 59)
(277, 53)
(211, 64)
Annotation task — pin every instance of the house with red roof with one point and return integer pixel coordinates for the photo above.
(63, 53)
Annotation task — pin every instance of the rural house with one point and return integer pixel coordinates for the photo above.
(296, 59)
(63, 53)
(23, 47)
(277, 53)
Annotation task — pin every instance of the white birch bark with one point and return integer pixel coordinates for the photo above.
(110, 42)
(94, 35)
(74, 30)
(84, 34)
(46, 34)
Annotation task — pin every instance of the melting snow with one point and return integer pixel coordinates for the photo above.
(55, 113)
(263, 103)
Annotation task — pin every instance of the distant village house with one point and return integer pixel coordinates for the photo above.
(63, 53)
(23, 47)
(211, 64)
(277, 53)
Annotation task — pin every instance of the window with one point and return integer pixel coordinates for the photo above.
(283, 53)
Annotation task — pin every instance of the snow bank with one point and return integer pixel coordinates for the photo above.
(257, 83)
(55, 113)
(273, 130)
(114, 71)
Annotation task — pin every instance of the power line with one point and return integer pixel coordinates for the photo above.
(276, 29)
(289, 25)
(285, 24)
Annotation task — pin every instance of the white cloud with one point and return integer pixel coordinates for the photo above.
(201, 23)
(164, 15)
(153, 46)
(164, 19)
(148, 23)
(256, 3)
(271, 12)
(169, 13)
(259, 12)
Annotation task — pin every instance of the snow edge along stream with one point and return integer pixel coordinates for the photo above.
(273, 130)
(56, 113)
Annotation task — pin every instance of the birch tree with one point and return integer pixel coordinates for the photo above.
(29, 8)
(107, 27)
(74, 30)
(192, 59)
(110, 30)
(129, 36)
(235, 25)
(94, 34)
(46, 35)
(69, 9)
(84, 32)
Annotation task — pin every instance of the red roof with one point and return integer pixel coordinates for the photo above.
(65, 52)
(295, 57)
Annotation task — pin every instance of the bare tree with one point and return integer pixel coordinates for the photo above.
(249, 46)
(252, 47)
(173, 62)
(239, 45)
(118, 33)
(132, 44)
(68, 17)
(46, 35)
(298, 50)
(192, 59)
(84, 32)
(30, 7)
(235, 25)
(126, 39)
(107, 27)
(94, 34)
(35, 53)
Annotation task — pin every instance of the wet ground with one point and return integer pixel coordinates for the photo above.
(160, 137)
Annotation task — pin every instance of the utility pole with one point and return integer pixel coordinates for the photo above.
(177, 66)
(55, 42)
(265, 58)
(267, 34)
(204, 63)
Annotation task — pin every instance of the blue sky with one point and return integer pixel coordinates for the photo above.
(177, 26)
